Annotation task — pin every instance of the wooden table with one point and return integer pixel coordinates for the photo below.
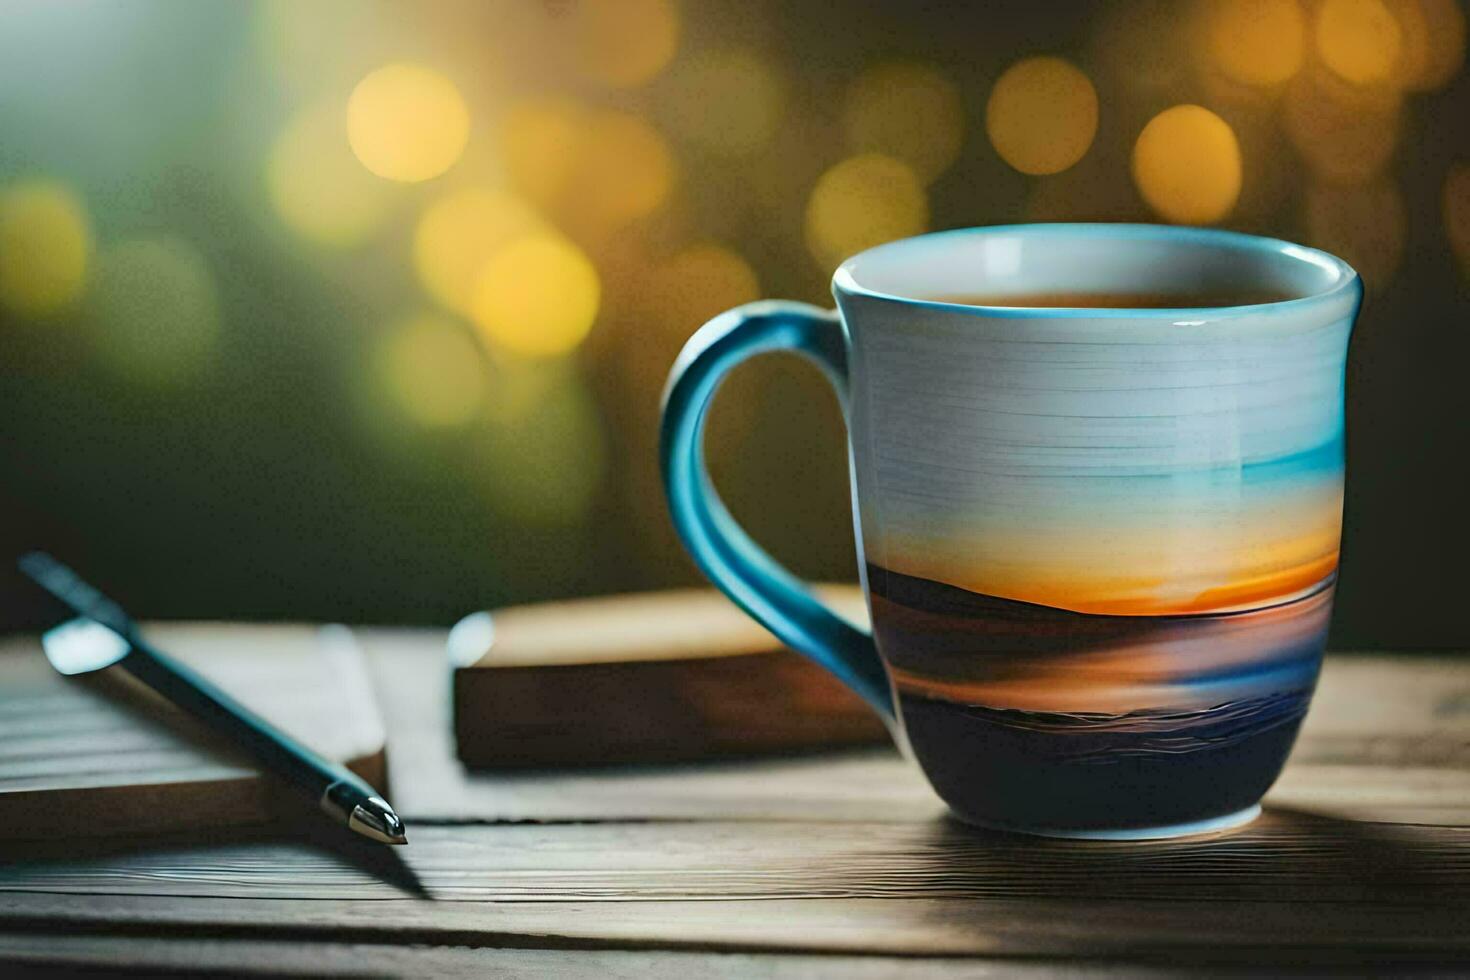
(821, 865)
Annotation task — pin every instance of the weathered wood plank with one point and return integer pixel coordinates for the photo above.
(833, 854)
(1290, 881)
(192, 955)
(1284, 857)
(1180, 932)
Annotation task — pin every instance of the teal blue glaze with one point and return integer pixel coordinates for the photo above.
(1324, 459)
(721, 549)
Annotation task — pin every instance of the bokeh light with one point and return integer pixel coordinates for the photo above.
(497, 336)
(1366, 226)
(1256, 42)
(624, 43)
(1360, 40)
(1431, 44)
(1187, 165)
(1042, 115)
(156, 310)
(1444, 44)
(317, 186)
(459, 232)
(695, 284)
(1457, 212)
(543, 456)
(539, 142)
(595, 170)
(729, 101)
(407, 123)
(623, 171)
(537, 296)
(433, 369)
(863, 201)
(907, 111)
(1344, 137)
(45, 247)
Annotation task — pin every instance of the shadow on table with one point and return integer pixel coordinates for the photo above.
(1284, 855)
(1309, 893)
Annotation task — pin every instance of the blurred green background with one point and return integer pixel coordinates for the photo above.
(361, 311)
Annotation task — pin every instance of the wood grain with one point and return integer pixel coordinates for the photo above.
(145, 956)
(1362, 861)
(1182, 932)
(1284, 857)
(100, 754)
(656, 677)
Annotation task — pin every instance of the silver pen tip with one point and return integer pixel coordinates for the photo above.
(375, 819)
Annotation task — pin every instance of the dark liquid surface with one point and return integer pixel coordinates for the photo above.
(1120, 301)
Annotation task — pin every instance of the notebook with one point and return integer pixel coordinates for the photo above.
(101, 754)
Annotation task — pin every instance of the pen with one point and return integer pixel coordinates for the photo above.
(104, 635)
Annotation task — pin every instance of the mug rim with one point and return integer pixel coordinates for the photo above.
(845, 283)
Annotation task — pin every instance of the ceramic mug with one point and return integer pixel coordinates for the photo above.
(1098, 543)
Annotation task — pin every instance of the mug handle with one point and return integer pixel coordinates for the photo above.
(720, 547)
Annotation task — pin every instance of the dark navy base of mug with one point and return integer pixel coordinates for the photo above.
(1003, 776)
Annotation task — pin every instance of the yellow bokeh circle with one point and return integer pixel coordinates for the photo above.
(45, 247)
(1256, 42)
(863, 201)
(1186, 164)
(1042, 115)
(1360, 40)
(593, 170)
(537, 295)
(624, 43)
(907, 111)
(316, 185)
(406, 122)
(459, 232)
(433, 369)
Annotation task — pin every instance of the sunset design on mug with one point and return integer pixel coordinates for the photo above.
(1166, 513)
(1100, 547)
